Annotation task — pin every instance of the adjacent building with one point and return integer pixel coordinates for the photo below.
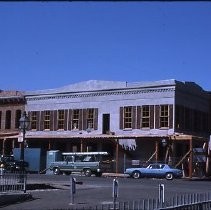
(12, 104)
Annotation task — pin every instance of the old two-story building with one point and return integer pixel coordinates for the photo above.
(167, 121)
(144, 121)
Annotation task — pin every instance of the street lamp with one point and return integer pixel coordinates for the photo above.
(164, 142)
(23, 125)
(168, 148)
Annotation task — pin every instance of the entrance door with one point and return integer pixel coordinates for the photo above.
(106, 123)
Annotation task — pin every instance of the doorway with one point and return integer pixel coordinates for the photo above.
(106, 123)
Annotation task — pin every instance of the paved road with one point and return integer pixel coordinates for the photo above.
(97, 190)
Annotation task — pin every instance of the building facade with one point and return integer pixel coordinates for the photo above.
(12, 104)
(144, 121)
(101, 115)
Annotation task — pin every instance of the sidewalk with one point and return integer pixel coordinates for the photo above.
(115, 175)
(11, 197)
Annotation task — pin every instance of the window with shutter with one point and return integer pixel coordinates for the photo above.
(127, 117)
(90, 119)
(60, 119)
(75, 119)
(47, 120)
(145, 116)
(34, 120)
(164, 116)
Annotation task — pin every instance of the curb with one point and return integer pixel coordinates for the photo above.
(115, 175)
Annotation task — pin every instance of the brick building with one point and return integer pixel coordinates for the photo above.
(12, 104)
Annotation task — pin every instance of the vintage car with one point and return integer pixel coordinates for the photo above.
(155, 170)
(87, 163)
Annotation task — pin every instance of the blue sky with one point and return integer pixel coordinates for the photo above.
(52, 44)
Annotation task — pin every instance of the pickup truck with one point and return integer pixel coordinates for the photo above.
(87, 163)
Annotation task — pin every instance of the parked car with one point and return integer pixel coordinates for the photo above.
(155, 170)
(8, 163)
(87, 163)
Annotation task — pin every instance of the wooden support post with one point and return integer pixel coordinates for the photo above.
(49, 145)
(13, 144)
(191, 159)
(166, 154)
(117, 155)
(81, 146)
(156, 151)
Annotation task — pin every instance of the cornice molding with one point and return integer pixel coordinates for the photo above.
(100, 93)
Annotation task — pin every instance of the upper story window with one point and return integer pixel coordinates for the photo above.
(34, 120)
(75, 119)
(47, 120)
(90, 118)
(164, 116)
(145, 117)
(127, 117)
(8, 120)
(17, 118)
(60, 119)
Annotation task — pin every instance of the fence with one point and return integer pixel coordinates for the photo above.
(194, 201)
(12, 182)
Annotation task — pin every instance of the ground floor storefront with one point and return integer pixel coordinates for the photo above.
(189, 153)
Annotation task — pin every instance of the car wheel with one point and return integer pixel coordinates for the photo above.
(56, 171)
(169, 176)
(87, 172)
(67, 173)
(136, 174)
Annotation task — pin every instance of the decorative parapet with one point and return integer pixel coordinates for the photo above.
(100, 93)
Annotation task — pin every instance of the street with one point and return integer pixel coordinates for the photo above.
(98, 190)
